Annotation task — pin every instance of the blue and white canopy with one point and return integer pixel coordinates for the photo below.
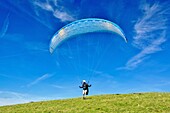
(84, 26)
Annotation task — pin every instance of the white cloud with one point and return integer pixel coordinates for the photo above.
(63, 16)
(150, 32)
(57, 86)
(105, 75)
(29, 46)
(5, 27)
(45, 6)
(148, 27)
(137, 59)
(10, 77)
(39, 79)
(10, 98)
(60, 14)
(19, 9)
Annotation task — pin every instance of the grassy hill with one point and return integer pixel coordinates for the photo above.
(114, 103)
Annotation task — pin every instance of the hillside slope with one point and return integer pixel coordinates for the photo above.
(139, 102)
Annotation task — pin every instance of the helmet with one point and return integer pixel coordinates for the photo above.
(84, 81)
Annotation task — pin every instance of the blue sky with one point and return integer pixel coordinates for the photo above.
(28, 72)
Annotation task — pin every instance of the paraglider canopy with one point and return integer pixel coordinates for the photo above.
(83, 26)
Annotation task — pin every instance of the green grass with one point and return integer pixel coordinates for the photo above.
(113, 103)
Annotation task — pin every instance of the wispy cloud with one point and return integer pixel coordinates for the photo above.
(152, 23)
(63, 16)
(57, 12)
(140, 57)
(10, 97)
(46, 6)
(57, 86)
(29, 46)
(18, 9)
(5, 26)
(39, 79)
(150, 31)
(11, 77)
(105, 75)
